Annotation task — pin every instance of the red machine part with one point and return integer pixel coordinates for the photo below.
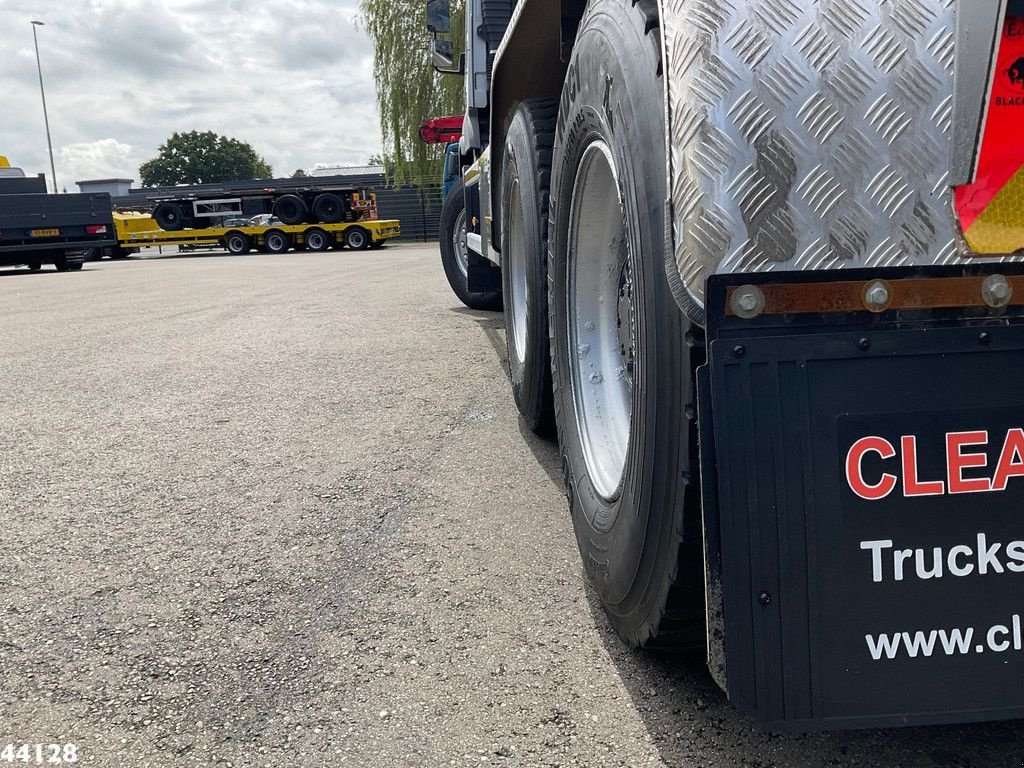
(991, 209)
(441, 130)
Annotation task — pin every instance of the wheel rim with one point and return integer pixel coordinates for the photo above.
(276, 243)
(235, 244)
(517, 272)
(601, 320)
(315, 241)
(355, 239)
(459, 244)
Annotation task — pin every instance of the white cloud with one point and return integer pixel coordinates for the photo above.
(94, 159)
(291, 77)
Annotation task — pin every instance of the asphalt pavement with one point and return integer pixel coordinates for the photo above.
(278, 510)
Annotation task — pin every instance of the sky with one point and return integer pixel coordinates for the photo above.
(291, 77)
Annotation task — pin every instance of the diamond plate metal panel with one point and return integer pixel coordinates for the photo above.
(809, 134)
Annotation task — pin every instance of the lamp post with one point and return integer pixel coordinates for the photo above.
(42, 92)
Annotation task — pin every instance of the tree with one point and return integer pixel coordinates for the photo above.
(201, 157)
(300, 173)
(408, 89)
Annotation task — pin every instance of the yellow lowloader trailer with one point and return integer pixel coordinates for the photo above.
(136, 231)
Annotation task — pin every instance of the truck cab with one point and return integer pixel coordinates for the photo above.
(38, 228)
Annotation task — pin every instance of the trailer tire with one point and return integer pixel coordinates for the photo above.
(237, 243)
(169, 217)
(525, 184)
(35, 266)
(454, 253)
(276, 241)
(291, 209)
(317, 240)
(329, 208)
(624, 391)
(76, 265)
(357, 238)
(60, 262)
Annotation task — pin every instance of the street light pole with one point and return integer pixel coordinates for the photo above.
(42, 92)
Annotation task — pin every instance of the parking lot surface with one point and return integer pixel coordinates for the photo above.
(280, 511)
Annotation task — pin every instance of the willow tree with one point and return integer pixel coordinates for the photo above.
(408, 89)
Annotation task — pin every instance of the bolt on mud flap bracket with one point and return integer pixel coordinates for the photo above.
(857, 471)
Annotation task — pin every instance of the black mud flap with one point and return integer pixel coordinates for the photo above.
(864, 488)
(482, 275)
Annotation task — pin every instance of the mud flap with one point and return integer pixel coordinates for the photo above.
(864, 487)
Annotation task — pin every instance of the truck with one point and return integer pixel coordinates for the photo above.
(447, 131)
(38, 228)
(452, 228)
(762, 275)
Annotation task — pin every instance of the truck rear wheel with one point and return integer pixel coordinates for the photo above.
(276, 241)
(169, 216)
(455, 251)
(291, 209)
(525, 181)
(317, 240)
(622, 375)
(357, 238)
(328, 208)
(237, 243)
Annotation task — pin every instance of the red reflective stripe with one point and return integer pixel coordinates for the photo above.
(1002, 151)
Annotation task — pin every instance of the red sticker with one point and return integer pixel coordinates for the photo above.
(1002, 151)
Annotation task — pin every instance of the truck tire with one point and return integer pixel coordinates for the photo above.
(237, 243)
(623, 378)
(35, 265)
(525, 184)
(328, 208)
(357, 238)
(455, 252)
(317, 239)
(60, 262)
(276, 241)
(291, 209)
(76, 265)
(169, 217)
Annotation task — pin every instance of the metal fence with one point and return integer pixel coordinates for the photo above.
(417, 207)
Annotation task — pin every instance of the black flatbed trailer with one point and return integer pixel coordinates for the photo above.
(307, 204)
(37, 228)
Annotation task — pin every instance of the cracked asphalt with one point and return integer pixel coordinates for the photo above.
(280, 511)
